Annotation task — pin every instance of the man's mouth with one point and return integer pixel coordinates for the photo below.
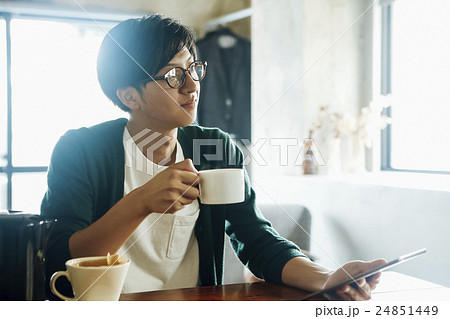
(189, 103)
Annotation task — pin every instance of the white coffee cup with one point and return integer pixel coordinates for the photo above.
(93, 282)
(222, 186)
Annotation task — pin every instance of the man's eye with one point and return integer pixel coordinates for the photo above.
(172, 72)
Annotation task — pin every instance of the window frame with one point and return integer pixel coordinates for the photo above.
(385, 89)
(41, 12)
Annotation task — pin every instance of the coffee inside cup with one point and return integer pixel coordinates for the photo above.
(101, 262)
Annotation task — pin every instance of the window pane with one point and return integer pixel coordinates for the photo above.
(3, 96)
(55, 85)
(3, 192)
(28, 191)
(420, 78)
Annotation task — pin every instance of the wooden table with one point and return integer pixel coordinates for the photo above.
(257, 291)
(393, 286)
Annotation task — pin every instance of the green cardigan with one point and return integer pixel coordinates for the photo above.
(86, 178)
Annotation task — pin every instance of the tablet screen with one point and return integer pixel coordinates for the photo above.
(371, 272)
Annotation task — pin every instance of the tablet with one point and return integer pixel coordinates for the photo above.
(368, 273)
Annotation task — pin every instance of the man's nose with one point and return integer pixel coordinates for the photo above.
(189, 84)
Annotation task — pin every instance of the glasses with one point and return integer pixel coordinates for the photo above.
(176, 77)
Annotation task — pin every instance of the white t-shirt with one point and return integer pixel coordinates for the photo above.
(163, 250)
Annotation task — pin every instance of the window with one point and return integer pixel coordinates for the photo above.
(52, 87)
(3, 115)
(415, 69)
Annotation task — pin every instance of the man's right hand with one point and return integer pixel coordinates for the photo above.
(170, 190)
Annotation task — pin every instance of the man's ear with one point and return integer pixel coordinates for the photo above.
(130, 97)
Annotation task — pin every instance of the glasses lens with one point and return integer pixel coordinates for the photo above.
(175, 77)
(197, 70)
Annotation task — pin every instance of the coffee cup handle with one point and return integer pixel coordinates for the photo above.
(55, 276)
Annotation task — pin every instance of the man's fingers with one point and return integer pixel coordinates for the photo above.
(185, 200)
(364, 289)
(374, 280)
(185, 165)
(191, 193)
(189, 179)
(376, 263)
(344, 293)
(357, 294)
(177, 177)
(375, 277)
(356, 291)
(185, 176)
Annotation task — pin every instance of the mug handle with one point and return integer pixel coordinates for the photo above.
(55, 276)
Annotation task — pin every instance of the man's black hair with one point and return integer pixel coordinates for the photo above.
(136, 47)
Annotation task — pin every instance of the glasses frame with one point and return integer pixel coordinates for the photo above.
(183, 79)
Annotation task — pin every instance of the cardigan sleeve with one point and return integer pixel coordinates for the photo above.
(256, 243)
(69, 199)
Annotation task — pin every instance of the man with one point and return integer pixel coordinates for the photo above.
(105, 202)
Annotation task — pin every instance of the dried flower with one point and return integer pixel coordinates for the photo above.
(364, 126)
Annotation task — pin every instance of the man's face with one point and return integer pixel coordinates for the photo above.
(167, 108)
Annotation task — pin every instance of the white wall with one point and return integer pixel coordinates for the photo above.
(319, 43)
(358, 218)
(306, 54)
(276, 64)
